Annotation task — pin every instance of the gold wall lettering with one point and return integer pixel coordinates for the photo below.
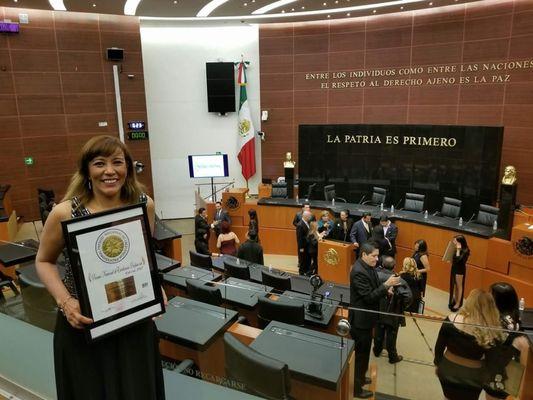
(433, 75)
(422, 141)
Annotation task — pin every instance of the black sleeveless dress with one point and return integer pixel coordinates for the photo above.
(423, 275)
(126, 365)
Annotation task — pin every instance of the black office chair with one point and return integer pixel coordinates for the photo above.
(310, 190)
(451, 207)
(199, 291)
(277, 281)
(46, 198)
(379, 195)
(201, 260)
(414, 202)
(262, 375)
(271, 310)
(237, 271)
(487, 215)
(279, 190)
(329, 194)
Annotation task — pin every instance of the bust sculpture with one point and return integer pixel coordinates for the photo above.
(288, 163)
(509, 175)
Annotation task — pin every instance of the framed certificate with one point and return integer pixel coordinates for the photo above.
(114, 268)
(448, 253)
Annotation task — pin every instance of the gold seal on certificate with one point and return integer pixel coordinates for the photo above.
(114, 268)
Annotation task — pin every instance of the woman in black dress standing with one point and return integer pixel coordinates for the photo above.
(458, 272)
(422, 262)
(127, 364)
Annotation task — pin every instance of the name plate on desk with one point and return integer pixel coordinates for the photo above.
(114, 268)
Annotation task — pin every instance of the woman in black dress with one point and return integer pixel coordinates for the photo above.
(125, 365)
(458, 272)
(421, 258)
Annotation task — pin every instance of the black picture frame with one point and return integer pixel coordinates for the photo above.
(81, 231)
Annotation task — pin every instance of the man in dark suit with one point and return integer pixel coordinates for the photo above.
(201, 232)
(251, 250)
(361, 231)
(342, 228)
(366, 291)
(220, 215)
(298, 217)
(302, 229)
(391, 232)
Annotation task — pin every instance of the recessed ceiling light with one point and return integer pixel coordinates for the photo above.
(401, 8)
(283, 11)
(245, 4)
(329, 16)
(57, 5)
(303, 7)
(94, 4)
(336, 1)
(175, 1)
(324, 4)
(347, 14)
(292, 9)
(430, 4)
(16, 1)
(374, 11)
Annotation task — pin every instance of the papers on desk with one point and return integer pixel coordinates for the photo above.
(448, 254)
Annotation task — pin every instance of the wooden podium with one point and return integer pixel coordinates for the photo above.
(233, 202)
(335, 260)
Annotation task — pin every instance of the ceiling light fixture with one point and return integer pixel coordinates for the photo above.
(58, 5)
(210, 7)
(306, 13)
(130, 8)
(272, 6)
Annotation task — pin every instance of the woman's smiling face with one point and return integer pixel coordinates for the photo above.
(108, 174)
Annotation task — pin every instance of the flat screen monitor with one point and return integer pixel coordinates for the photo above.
(208, 166)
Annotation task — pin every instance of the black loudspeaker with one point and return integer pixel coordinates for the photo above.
(220, 87)
(115, 54)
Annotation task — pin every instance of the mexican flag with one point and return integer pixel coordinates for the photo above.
(246, 139)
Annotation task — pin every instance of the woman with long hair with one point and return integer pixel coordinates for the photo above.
(421, 258)
(227, 241)
(105, 179)
(311, 250)
(458, 272)
(253, 225)
(515, 347)
(411, 274)
(464, 339)
(325, 223)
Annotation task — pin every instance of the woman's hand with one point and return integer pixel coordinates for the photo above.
(72, 312)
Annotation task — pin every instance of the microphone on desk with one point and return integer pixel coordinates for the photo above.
(471, 218)
(398, 204)
(362, 199)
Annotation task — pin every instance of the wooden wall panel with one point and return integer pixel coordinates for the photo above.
(55, 86)
(488, 31)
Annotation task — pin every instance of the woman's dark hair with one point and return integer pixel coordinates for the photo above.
(252, 214)
(378, 233)
(224, 227)
(461, 239)
(506, 299)
(201, 210)
(422, 246)
(252, 236)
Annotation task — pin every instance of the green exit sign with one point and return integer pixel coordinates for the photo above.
(28, 160)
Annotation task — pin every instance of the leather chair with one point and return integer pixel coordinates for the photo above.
(451, 207)
(329, 194)
(199, 291)
(46, 201)
(379, 195)
(201, 260)
(271, 310)
(237, 271)
(279, 190)
(414, 202)
(487, 215)
(277, 281)
(310, 190)
(263, 376)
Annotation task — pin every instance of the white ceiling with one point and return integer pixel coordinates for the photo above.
(303, 9)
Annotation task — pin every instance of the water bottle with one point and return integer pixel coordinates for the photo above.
(297, 198)
(495, 225)
(426, 214)
(238, 261)
(270, 268)
(333, 202)
(521, 307)
(392, 209)
(381, 207)
(460, 221)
